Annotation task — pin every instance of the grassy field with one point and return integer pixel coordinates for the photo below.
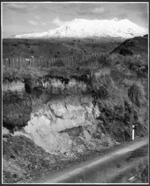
(56, 47)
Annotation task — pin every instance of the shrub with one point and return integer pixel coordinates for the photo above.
(135, 93)
(125, 51)
(104, 60)
(142, 172)
(117, 75)
(137, 64)
(102, 92)
(91, 61)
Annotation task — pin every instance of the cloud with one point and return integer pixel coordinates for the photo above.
(90, 10)
(138, 12)
(98, 10)
(57, 22)
(15, 6)
(32, 22)
(43, 23)
(134, 6)
(37, 17)
(20, 7)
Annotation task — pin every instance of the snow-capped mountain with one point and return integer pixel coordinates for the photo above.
(82, 28)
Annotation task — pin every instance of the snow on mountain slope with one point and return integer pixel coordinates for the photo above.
(83, 28)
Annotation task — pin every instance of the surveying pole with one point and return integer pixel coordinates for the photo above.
(133, 131)
(132, 125)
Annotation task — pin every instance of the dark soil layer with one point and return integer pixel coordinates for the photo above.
(16, 110)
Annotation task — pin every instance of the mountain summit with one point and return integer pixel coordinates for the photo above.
(82, 28)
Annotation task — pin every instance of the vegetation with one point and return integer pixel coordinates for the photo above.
(141, 172)
(135, 93)
(49, 48)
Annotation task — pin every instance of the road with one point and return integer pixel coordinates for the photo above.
(110, 168)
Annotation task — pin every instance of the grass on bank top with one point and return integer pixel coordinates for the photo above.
(120, 66)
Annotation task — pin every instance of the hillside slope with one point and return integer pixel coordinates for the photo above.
(136, 45)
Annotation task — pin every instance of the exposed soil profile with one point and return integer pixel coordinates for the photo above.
(59, 116)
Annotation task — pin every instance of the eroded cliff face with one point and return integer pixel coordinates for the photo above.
(48, 110)
(19, 97)
(54, 113)
(49, 124)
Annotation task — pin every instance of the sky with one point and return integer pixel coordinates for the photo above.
(21, 18)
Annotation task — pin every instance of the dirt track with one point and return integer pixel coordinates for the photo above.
(104, 169)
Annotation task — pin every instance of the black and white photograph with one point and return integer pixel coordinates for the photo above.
(75, 92)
